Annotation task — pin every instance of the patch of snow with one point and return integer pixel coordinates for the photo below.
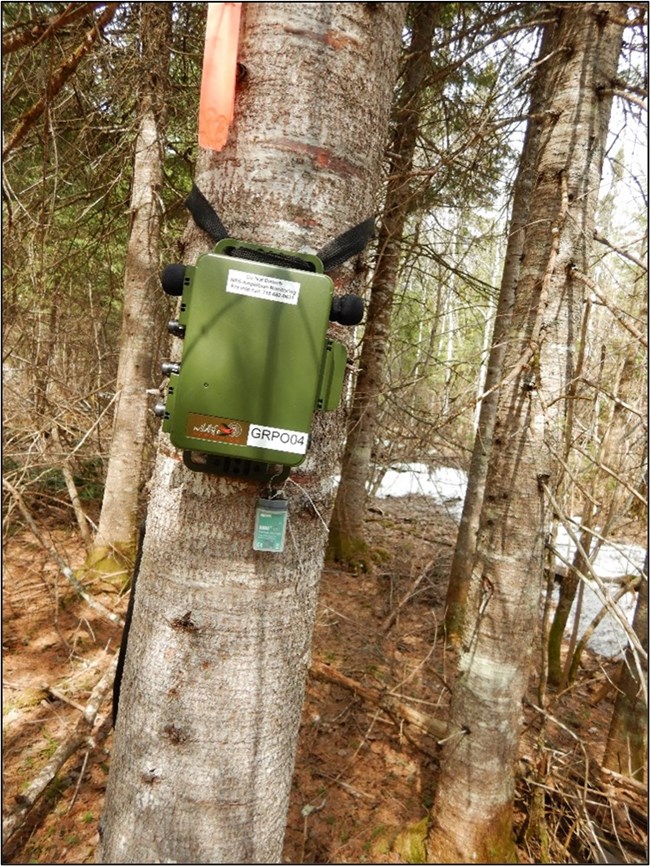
(612, 562)
(447, 487)
(610, 638)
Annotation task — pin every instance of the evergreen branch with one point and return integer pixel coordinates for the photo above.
(34, 31)
(56, 82)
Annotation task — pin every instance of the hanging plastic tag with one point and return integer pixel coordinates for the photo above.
(271, 517)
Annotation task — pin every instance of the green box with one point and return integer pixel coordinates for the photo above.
(256, 359)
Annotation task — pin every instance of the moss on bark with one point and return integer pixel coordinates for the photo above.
(349, 550)
(410, 844)
(109, 565)
(490, 841)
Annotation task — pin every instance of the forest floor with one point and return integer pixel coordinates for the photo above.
(363, 772)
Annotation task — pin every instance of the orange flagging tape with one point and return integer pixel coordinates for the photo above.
(217, 104)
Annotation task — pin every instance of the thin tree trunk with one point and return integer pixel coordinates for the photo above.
(568, 590)
(347, 542)
(73, 493)
(473, 809)
(627, 740)
(450, 328)
(464, 552)
(611, 449)
(115, 542)
(220, 638)
(488, 328)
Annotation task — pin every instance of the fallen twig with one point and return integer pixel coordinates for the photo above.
(64, 568)
(591, 813)
(391, 705)
(346, 787)
(82, 733)
(60, 696)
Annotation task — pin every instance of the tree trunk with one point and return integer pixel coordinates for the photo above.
(473, 809)
(347, 542)
(465, 550)
(627, 740)
(220, 639)
(115, 542)
(556, 672)
(612, 453)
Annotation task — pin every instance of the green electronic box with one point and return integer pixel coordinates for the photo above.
(256, 358)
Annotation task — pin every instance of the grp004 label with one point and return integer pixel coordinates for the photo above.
(277, 439)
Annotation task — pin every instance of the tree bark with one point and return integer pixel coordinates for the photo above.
(115, 542)
(220, 639)
(465, 550)
(347, 541)
(473, 809)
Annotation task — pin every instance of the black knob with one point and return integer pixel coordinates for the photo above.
(347, 310)
(175, 328)
(159, 410)
(172, 280)
(169, 367)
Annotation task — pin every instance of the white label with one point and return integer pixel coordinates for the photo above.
(277, 439)
(260, 286)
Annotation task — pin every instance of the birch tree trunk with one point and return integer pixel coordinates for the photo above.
(220, 638)
(472, 812)
(114, 545)
(465, 550)
(347, 543)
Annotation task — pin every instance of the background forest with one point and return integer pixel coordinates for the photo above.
(100, 106)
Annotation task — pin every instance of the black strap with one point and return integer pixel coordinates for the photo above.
(333, 254)
(117, 682)
(346, 245)
(205, 215)
(269, 257)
